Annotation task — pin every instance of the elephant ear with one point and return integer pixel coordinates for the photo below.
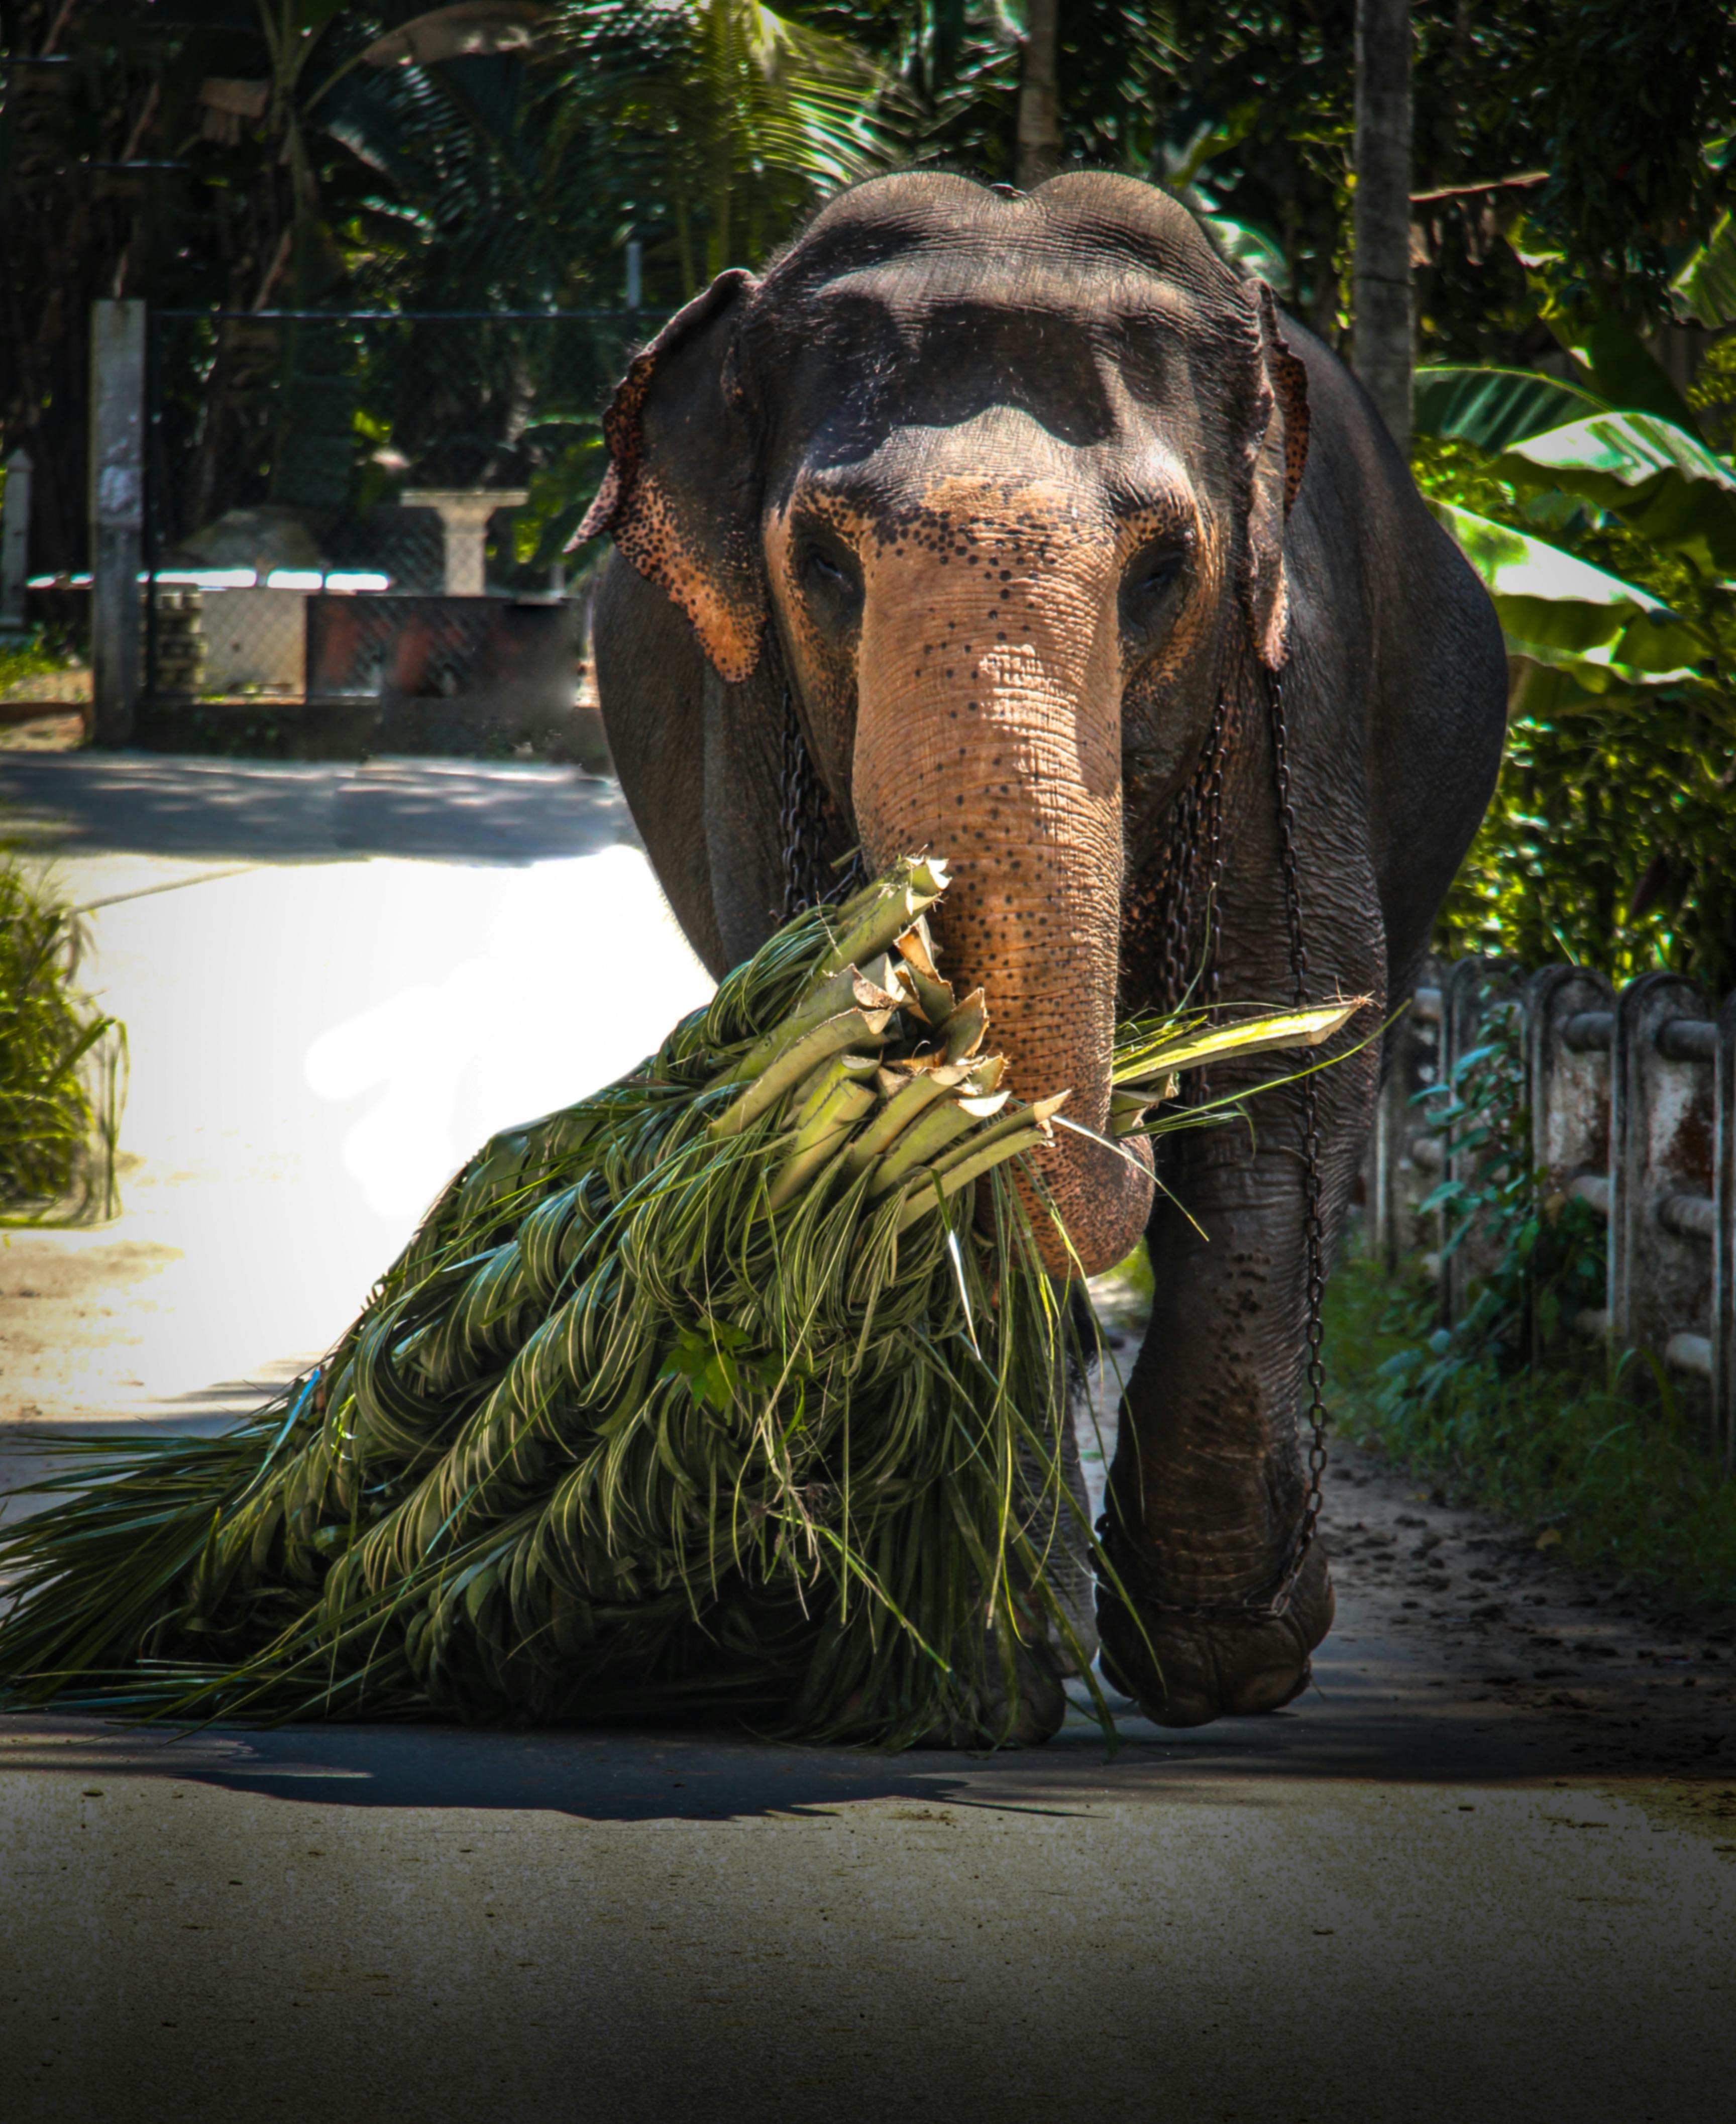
(681, 495)
(1278, 442)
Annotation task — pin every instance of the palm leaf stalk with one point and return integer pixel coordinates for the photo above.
(720, 1390)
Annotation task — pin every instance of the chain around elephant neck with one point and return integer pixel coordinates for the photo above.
(1197, 847)
(802, 827)
(1196, 820)
(1314, 1232)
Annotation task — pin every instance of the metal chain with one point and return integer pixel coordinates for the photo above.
(802, 821)
(1197, 844)
(1262, 1606)
(1313, 1234)
(1196, 831)
(799, 826)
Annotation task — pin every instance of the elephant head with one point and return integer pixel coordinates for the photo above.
(995, 486)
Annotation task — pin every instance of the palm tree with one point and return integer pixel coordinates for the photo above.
(748, 115)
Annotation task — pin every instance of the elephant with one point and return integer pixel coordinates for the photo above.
(1025, 528)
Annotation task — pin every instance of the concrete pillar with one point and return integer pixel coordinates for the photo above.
(1567, 1075)
(1662, 1131)
(15, 544)
(1412, 1066)
(117, 514)
(464, 512)
(1569, 1025)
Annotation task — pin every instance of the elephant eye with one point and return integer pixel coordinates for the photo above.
(831, 577)
(1145, 587)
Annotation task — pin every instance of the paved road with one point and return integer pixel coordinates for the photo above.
(1484, 1872)
(337, 983)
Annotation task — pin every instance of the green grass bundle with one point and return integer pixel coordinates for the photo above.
(718, 1391)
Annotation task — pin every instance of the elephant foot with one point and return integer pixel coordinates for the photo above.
(1035, 1716)
(1222, 1666)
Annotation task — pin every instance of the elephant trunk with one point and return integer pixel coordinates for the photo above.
(989, 729)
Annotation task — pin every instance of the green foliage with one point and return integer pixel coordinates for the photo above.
(1604, 527)
(710, 1391)
(1504, 1407)
(619, 1431)
(1625, 1489)
(1548, 1253)
(29, 657)
(56, 1135)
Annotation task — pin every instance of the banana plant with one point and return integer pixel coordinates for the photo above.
(1619, 440)
(1558, 610)
(1603, 524)
(1706, 288)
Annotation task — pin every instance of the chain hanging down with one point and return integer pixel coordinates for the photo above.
(1314, 1233)
(808, 879)
(1194, 858)
(1197, 845)
(1173, 955)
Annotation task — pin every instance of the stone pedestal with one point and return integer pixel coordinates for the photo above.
(464, 512)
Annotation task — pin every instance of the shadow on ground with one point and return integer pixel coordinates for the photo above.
(1390, 1706)
(464, 811)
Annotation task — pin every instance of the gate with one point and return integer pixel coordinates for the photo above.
(355, 525)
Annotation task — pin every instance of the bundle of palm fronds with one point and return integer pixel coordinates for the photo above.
(718, 1388)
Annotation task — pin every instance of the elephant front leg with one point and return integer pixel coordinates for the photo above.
(1210, 1488)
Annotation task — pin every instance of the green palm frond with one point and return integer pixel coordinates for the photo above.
(737, 1388)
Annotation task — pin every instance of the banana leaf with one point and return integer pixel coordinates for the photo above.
(1495, 408)
(1706, 288)
(1658, 479)
(1559, 610)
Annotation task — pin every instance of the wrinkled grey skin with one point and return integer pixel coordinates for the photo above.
(1393, 686)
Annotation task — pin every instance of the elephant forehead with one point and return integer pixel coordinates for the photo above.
(1100, 292)
(953, 504)
(1004, 508)
(1111, 367)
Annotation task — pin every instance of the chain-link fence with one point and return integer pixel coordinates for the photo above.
(437, 462)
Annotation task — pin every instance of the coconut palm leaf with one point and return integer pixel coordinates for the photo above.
(737, 1388)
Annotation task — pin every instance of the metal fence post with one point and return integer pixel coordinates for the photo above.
(117, 513)
(1661, 1137)
(15, 544)
(1413, 1046)
(1724, 1239)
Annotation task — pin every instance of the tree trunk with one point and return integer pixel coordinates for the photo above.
(1039, 106)
(1382, 290)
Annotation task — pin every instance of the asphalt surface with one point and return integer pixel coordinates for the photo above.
(1483, 1870)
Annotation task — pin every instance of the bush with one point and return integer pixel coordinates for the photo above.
(1625, 1484)
(57, 1132)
